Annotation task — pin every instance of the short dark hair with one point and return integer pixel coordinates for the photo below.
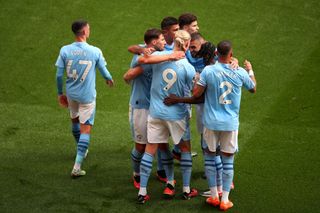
(77, 26)
(168, 21)
(207, 52)
(151, 34)
(196, 36)
(186, 19)
(224, 48)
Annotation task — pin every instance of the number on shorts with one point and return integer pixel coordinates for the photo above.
(171, 81)
(228, 91)
(73, 74)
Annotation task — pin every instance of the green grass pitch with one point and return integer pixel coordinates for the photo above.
(277, 168)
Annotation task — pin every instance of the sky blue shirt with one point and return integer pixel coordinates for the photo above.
(170, 77)
(223, 95)
(140, 92)
(80, 61)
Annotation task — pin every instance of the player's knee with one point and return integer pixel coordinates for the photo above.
(75, 120)
(227, 154)
(140, 147)
(206, 150)
(85, 128)
(185, 146)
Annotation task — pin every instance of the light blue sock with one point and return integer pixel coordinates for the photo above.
(76, 131)
(136, 159)
(167, 162)
(218, 169)
(82, 147)
(145, 169)
(210, 168)
(186, 167)
(159, 163)
(227, 173)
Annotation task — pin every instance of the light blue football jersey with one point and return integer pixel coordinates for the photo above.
(170, 77)
(140, 92)
(197, 63)
(169, 47)
(223, 95)
(80, 61)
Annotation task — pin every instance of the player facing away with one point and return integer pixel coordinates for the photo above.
(163, 121)
(80, 61)
(140, 77)
(222, 88)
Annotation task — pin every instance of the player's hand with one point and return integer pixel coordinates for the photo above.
(172, 99)
(247, 65)
(148, 51)
(177, 55)
(110, 83)
(63, 101)
(234, 63)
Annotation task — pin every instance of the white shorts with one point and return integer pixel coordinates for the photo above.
(85, 112)
(138, 119)
(159, 130)
(228, 140)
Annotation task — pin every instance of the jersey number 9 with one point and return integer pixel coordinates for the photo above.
(170, 81)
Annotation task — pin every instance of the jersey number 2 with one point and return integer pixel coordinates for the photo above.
(225, 93)
(74, 74)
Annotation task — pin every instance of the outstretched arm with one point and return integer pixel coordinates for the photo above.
(154, 59)
(173, 99)
(248, 68)
(136, 49)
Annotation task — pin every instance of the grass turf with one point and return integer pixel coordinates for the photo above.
(278, 163)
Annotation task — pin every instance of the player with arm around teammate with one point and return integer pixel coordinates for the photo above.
(163, 121)
(222, 88)
(80, 61)
(140, 77)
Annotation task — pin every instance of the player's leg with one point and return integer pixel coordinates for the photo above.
(145, 170)
(186, 163)
(211, 138)
(86, 118)
(161, 174)
(136, 156)
(167, 161)
(138, 124)
(75, 129)
(219, 170)
(228, 143)
(157, 133)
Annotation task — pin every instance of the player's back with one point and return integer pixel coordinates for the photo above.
(170, 78)
(80, 61)
(223, 96)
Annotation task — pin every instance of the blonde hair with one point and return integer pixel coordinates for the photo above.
(181, 38)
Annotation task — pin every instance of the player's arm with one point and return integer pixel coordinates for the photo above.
(234, 63)
(62, 99)
(248, 68)
(173, 99)
(138, 50)
(101, 65)
(154, 59)
(132, 73)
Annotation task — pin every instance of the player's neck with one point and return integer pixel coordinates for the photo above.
(224, 60)
(81, 39)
